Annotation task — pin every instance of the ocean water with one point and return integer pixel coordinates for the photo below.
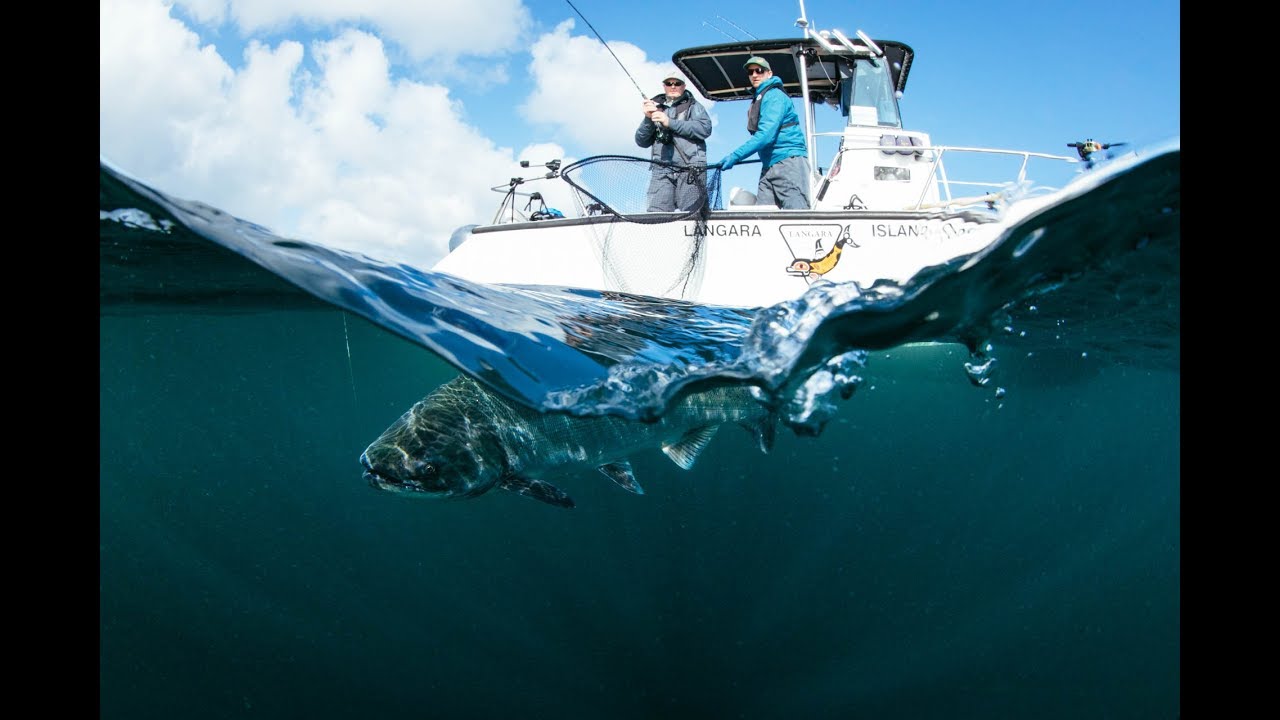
(984, 526)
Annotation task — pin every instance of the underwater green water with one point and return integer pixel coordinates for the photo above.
(937, 552)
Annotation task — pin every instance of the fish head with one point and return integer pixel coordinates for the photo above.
(433, 452)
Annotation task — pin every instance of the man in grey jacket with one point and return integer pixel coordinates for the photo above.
(676, 127)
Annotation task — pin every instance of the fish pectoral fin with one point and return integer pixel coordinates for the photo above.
(764, 431)
(685, 451)
(536, 489)
(620, 472)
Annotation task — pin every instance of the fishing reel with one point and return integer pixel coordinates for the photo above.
(662, 133)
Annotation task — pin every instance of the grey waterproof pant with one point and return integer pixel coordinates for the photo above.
(785, 184)
(673, 188)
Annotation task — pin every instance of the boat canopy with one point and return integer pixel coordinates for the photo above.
(717, 72)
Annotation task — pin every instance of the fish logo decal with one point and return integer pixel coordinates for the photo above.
(463, 440)
(806, 267)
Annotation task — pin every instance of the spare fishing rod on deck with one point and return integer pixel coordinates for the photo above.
(664, 134)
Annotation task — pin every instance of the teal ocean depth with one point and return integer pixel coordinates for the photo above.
(937, 552)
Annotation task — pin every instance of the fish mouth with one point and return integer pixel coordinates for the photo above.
(389, 483)
(376, 479)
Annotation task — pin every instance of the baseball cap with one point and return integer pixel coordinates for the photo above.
(757, 60)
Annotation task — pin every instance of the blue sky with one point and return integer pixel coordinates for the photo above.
(380, 125)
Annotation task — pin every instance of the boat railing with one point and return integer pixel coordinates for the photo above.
(996, 174)
(618, 183)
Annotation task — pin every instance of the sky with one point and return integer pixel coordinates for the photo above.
(379, 126)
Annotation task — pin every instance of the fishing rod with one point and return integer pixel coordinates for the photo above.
(744, 32)
(663, 134)
(606, 47)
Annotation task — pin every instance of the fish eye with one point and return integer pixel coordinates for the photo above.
(429, 475)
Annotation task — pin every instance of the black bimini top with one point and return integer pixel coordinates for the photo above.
(717, 72)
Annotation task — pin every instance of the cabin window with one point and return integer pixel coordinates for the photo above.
(873, 96)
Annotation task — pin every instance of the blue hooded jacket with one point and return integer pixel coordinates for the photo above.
(774, 142)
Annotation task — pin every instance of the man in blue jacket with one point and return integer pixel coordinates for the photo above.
(775, 134)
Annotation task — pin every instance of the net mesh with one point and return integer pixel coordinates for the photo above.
(634, 257)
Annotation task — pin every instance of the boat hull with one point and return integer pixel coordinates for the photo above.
(741, 258)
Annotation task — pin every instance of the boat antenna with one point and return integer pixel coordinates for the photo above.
(606, 47)
(802, 22)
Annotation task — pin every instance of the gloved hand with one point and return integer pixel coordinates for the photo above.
(726, 163)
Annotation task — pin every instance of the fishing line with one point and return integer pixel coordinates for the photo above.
(606, 47)
(351, 369)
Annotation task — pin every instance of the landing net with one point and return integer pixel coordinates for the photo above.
(635, 256)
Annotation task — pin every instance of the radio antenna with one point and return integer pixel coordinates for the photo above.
(606, 47)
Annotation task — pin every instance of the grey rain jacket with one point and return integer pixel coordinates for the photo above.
(690, 128)
(670, 188)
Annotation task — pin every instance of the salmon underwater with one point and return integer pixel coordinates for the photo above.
(462, 440)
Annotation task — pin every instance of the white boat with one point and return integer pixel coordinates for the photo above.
(887, 202)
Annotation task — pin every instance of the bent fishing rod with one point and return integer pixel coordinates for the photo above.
(663, 134)
(606, 47)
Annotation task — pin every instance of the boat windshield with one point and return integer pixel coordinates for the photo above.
(873, 100)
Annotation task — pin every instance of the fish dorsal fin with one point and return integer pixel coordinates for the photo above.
(685, 451)
(536, 489)
(763, 430)
(620, 472)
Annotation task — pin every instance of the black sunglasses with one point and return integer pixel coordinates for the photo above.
(756, 71)
(672, 83)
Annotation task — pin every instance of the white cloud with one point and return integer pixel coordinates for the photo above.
(139, 43)
(330, 141)
(209, 12)
(587, 96)
(344, 156)
(424, 29)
